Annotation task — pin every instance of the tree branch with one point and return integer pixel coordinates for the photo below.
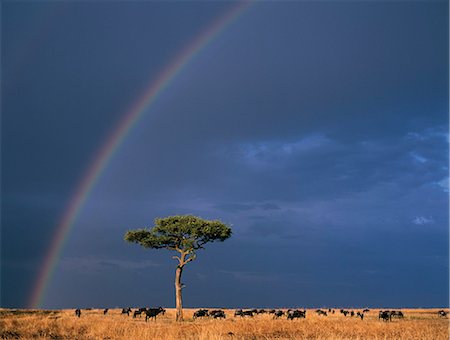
(191, 258)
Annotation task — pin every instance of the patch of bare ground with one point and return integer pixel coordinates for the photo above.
(63, 324)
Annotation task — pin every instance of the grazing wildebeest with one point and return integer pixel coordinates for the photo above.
(366, 310)
(78, 312)
(200, 313)
(272, 311)
(345, 312)
(292, 314)
(277, 314)
(126, 311)
(360, 315)
(242, 313)
(397, 314)
(139, 312)
(105, 311)
(385, 315)
(442, 313)
(321, 312)
(153, 312)
(262, 311)
(217, 314)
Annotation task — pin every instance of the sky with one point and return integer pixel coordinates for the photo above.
(317, 130)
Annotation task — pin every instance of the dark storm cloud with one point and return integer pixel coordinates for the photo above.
(236, 207)
(319, 131)
(353, 72)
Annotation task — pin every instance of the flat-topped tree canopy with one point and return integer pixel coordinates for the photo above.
(184, 234)
(181, 233)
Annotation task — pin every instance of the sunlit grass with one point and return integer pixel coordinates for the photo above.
(63, 324)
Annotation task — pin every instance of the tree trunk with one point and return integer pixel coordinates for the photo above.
(178, 295)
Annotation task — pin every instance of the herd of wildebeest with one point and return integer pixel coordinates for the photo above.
(290, 314)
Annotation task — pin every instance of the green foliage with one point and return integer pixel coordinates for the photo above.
(183, 233)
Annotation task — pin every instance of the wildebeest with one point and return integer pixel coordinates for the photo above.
(352, 313)
(126, 311)
(262, 311)
(272, 311)
(345, 312)
(397, 314)
(139, 312)
(153, 312)
(292, 314)
(217, 314)
(321, 312)
(105, 311)
(277, 314)
(366, 310)
(242, 313)
(442, 313)
(78, 312)
(385, 315)
(360, 315)
(200, 313)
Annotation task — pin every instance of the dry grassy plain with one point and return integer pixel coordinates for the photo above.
(63, 324)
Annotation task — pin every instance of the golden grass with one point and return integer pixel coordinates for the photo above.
(63, 324)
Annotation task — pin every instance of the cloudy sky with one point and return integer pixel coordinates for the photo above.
(317, 130)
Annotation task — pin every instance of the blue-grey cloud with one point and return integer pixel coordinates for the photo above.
(320, 136)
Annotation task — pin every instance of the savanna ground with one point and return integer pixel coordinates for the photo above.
(63, 324)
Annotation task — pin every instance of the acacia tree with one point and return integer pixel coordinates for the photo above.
(184, 234)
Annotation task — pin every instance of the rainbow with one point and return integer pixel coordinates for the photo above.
(115, 139)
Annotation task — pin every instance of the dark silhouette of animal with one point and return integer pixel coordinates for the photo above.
(78, 312)
(293, 314)
(366, 310)
(277, 314)
(385, 315)
(262, 311)
(272, 311)
(345, 312)
(126, 311)
(352, 313)
(360, 315)
(139, 312)
(442, 313)
(153, 313)
(397, 314)
(200, 313)
(242, 313)
(217, 314)
(321, 312)
(105, 311)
